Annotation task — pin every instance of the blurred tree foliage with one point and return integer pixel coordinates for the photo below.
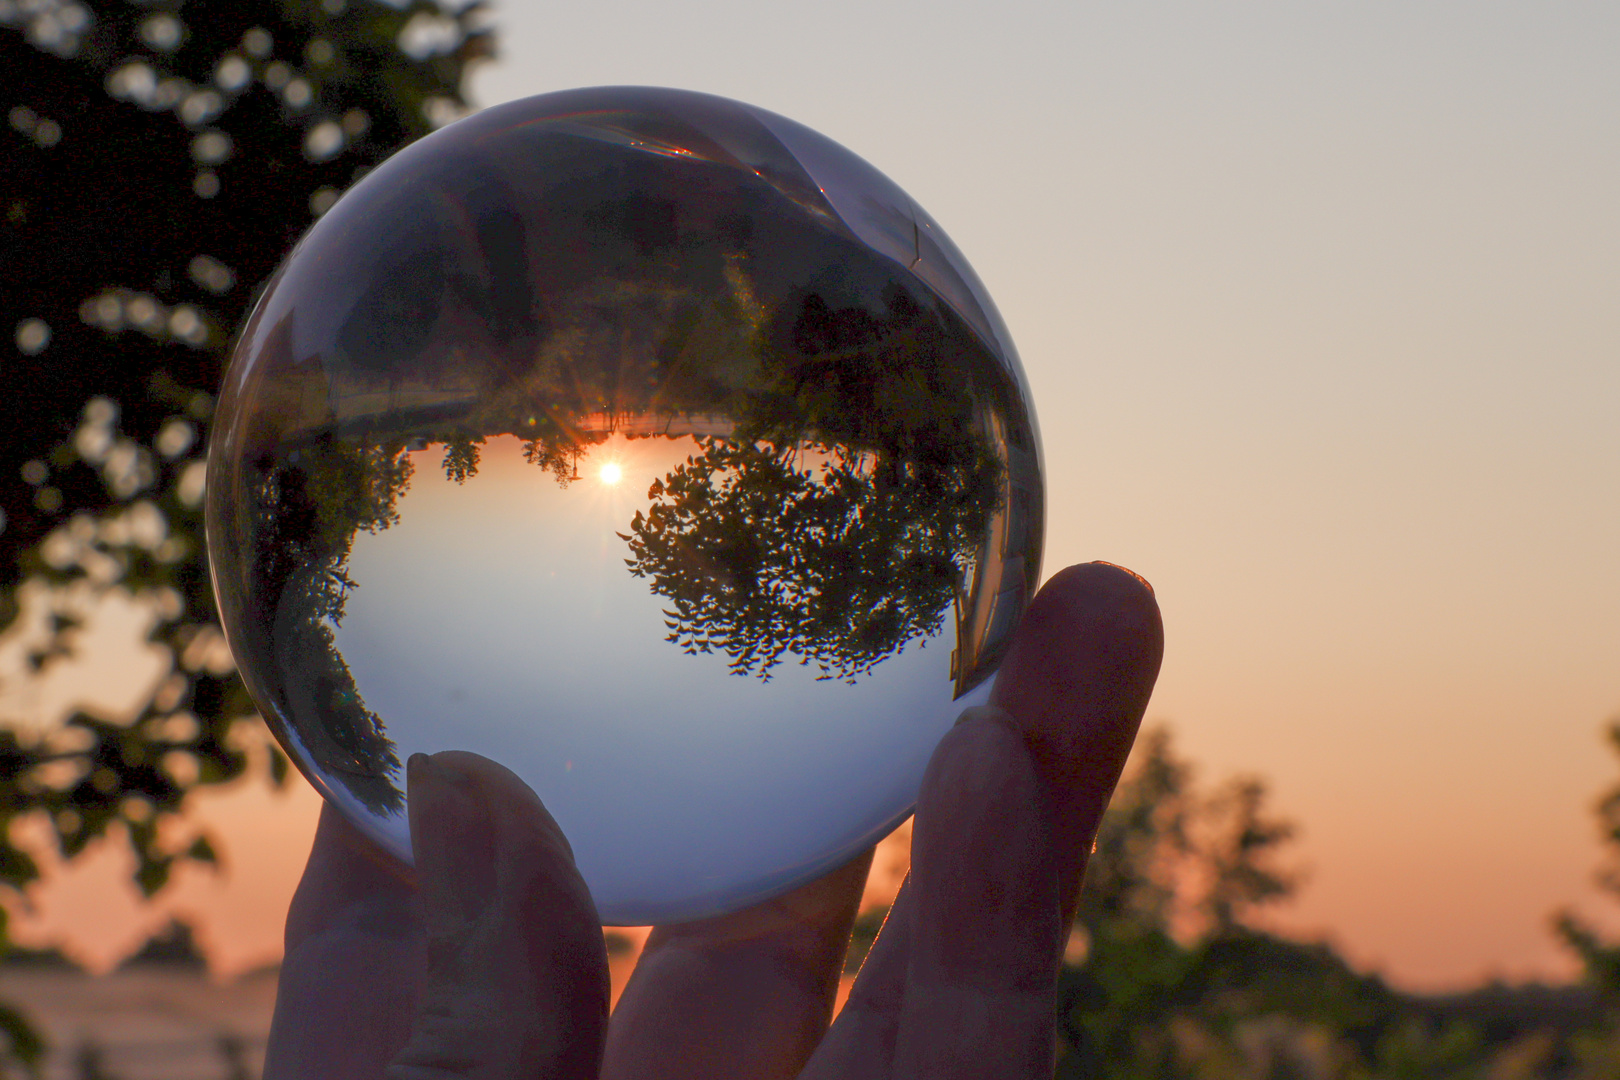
(1598, 1047)
(156, 163)
(1167, 979)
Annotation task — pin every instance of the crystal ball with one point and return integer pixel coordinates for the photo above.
(650, 444)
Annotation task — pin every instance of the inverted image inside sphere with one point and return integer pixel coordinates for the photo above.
(651, 445)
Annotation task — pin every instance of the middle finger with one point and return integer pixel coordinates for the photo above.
(746, 995)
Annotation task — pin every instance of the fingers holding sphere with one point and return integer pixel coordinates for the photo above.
(745, 995)
(517, 981)
(1076, 681)
(1006, 817)
(984, 933)
(355, 956)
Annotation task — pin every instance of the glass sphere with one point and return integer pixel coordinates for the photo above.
(650, 444)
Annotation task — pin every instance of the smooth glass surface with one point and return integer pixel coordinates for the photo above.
(650, 444)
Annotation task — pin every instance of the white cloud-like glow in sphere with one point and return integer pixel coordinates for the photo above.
(811, 516)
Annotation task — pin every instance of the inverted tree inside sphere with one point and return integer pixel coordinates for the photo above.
(650, 444)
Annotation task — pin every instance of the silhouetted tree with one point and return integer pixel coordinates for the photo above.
(1168, 980)
(842, 518)
(157, 162)
(1162, 969)
(461, 458)
(305, 511)
(1239, 856)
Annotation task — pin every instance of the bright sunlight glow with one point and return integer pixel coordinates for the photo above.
(611, 473)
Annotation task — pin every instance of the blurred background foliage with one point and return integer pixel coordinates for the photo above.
(1169, 975)
(155, 164)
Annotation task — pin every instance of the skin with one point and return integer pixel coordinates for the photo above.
(488, 962)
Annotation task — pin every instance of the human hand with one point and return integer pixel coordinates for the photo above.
(494, 966)
(485, 961)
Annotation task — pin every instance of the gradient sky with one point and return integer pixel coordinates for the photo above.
(1321, 308)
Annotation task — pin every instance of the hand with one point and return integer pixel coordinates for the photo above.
(490, 962)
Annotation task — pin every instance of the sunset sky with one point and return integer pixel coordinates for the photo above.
(1321, 308)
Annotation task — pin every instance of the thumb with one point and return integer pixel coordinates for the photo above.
(517, 980)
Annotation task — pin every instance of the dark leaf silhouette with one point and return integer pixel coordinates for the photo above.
(158, 162)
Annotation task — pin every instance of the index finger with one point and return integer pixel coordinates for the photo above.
(354, 939)
(1077, 681)
(746, 995)
(1075, 684)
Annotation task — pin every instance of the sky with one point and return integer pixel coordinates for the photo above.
(1320, 304)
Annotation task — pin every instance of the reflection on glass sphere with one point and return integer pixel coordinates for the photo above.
(650, 444)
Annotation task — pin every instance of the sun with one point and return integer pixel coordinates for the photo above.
(611, 473)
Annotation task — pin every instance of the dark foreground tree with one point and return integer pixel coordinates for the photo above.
(156, 162)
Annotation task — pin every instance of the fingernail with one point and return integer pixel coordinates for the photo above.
(444, 777)
(1128, 570)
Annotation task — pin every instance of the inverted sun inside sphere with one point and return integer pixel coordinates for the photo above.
(726, 678)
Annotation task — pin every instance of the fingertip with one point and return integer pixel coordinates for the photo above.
(417, 768)
(489, 846)
(438, 792)
(1146, 584)
(518, 971)
(1082, 666)
(516, 811)
(1088, 592)
(479, 820)
(451, 839)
